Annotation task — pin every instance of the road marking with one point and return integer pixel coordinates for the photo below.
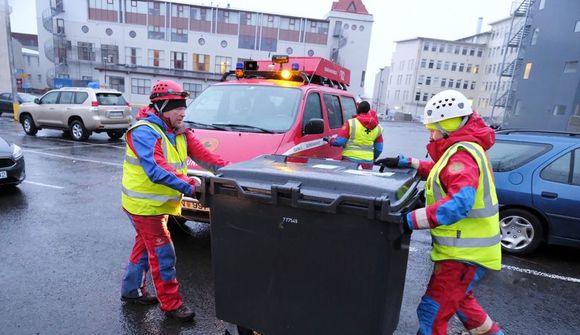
(41, 184)
(540, 274)
(83, 146)
(74, 158)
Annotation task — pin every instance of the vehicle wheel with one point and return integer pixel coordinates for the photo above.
(521, 231)
(78, 132)
(116, 134)
(29, 126)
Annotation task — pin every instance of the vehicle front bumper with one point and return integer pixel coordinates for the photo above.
(15, 174)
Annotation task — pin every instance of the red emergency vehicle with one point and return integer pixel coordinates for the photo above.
(283, 106)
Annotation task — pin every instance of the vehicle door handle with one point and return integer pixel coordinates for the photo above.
(549, 195)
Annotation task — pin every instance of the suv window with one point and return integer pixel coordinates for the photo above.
(332, 103)
(66, 98)
(80, 97)
(508, 155)
(559, 170)
(5, 96)
(349, 107)
(313, 109)
(111, 99)
(50, 98)
(565, 169)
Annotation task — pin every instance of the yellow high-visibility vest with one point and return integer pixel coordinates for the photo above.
(476, 238)
(360, 145)
(141, 196)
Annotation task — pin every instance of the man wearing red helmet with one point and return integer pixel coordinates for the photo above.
(154, 181)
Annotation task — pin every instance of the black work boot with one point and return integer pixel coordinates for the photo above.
(182, 314)
(142, 300)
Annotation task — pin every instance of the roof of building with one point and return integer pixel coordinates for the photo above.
(350, 6)
(436, 40)
(29, 40)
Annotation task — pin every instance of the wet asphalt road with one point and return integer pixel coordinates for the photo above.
(64, 244)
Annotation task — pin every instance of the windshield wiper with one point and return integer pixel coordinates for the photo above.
(204, 125)
(243, 126)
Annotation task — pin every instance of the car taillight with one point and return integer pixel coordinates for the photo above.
(95, 103)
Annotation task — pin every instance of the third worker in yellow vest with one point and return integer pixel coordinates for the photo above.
(461, 211)
(361, 137)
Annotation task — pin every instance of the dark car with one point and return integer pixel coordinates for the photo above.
(537, 175)
(11, 164)
(6, 101)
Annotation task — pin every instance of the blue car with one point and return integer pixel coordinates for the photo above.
(537, 175)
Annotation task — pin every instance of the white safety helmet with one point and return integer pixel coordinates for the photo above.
(446, 105)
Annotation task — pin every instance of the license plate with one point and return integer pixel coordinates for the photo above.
(3, 174)
(194, 206)
(115, 114)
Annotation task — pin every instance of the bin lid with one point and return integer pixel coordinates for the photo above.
(323, 180)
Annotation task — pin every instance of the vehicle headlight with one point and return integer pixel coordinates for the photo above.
(16, 152)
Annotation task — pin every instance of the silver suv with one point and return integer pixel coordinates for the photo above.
(78, 111)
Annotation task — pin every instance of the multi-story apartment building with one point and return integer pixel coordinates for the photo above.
(546, 87)
(421, 67)
(129, 44)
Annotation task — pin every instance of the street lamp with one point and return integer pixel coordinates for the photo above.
(381, 81)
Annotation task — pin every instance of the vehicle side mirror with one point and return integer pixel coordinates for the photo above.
(314, 126)
(37, 101)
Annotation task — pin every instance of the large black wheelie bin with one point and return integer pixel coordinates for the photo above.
(309, 246)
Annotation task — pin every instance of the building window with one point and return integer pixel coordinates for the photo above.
(140, 86)
(156, 58)
(110, 53)
(289, 50)
(426, 46)
(117, 83)
(472, 52)
(222, 64)
(310, 52)
(178, 60)
(423, 63)
(441, 47)
(570, 67)
(450, 85)
(420, 79)
(479, 52)
(559, 110)
(193, 89)
(542, 4)
(465, 84)
(439, 64)
(85, 51)
(85, 29)
(468, 68)
(132, 56)
(109, 31)
(132, 34)
(434, 47)
(535, 36)
(461, 67)
(464, 51)
(428, 81)
(156, 32)
(418, 96)
(60, 26)
(458, 83)
(200, 62)
(473, 85)
(443, 82)
(454, 66)
(446, 66)
(527, 70)
(425, 96)
(577, 27)
(431, 63)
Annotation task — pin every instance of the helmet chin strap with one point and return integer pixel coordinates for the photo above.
(160, 109)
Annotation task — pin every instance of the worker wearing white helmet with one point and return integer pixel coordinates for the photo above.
(461, 211)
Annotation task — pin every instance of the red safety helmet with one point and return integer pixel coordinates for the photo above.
(167, 90)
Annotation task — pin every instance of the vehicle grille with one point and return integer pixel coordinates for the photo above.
(6, 162)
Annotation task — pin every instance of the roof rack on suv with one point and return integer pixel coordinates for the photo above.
(537, 131)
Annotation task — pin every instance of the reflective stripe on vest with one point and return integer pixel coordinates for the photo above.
(141, 196)
(360, 144)
(475, 238)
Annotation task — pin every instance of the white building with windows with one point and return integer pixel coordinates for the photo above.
(422, 67)
(129, 44)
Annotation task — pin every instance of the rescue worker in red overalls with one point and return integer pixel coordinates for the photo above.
(154, 181)
(461, 211)
(361, 137)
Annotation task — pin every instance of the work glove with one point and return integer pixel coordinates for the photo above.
(405, 223)
(195, 182)
(390, 162)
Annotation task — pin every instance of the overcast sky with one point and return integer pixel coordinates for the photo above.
(393, 19)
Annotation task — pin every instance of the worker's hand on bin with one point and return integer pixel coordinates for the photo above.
(405, 223)
(390, 162)
(195, 182)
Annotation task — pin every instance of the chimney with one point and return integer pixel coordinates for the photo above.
(478, 29)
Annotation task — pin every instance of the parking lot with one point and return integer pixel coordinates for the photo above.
(65, 241)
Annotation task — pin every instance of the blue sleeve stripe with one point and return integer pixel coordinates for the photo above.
(144, 140)
(378, 149)
(457, 207)
(339, 142)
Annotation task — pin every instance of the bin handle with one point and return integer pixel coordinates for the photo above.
(217, 183)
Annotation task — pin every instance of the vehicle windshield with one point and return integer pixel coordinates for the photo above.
(27, 97)
(249, 108)
(507, 156)
(111, 99)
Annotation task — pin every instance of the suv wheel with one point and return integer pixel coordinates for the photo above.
(116, 134)
(28, 125)
(78, 132)
(521, 231)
